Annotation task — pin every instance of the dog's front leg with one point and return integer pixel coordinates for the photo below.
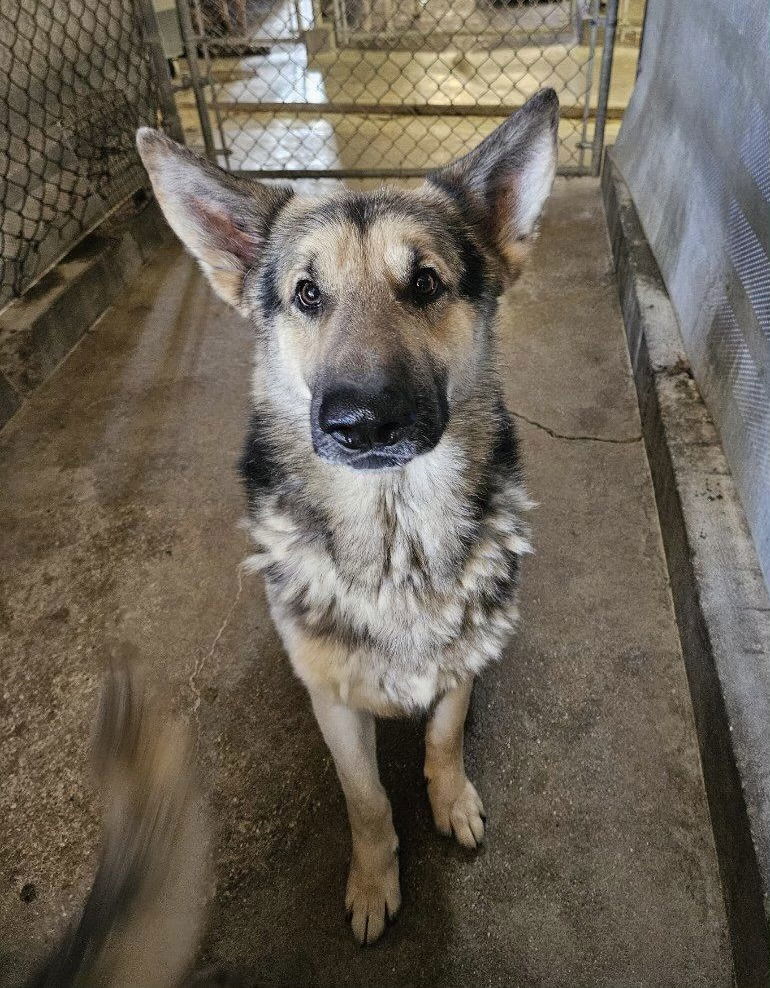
(373, 893)
(457, 807)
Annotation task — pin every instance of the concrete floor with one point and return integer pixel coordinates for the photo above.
(119, 503)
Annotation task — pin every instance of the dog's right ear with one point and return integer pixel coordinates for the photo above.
(224, 221)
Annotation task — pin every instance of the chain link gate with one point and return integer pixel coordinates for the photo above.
(277, 88)
(375, 88)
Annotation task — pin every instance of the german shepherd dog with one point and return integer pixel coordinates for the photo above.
(384, 489)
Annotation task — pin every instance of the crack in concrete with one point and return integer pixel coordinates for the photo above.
(622, 441)
(203, 659)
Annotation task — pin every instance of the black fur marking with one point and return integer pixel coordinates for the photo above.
(475, 284)
(292, 502)
(328, 625)
(456, 192)
(505, 452)
(361, 211)
(283, 195)
(473, 281)
(258, 464)
(503, 458)
(440, 376)
(269, 296)
(268, 288)
(479, 500)
(500, 591)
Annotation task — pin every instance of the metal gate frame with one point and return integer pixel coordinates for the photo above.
(202, 47)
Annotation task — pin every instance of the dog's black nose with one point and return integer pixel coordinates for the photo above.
(361, 420)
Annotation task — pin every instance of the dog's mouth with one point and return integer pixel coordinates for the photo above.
(387, 457)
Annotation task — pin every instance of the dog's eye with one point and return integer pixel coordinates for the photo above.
(426, 284)
(307, 295)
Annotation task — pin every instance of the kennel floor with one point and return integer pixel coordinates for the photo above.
(119, 506)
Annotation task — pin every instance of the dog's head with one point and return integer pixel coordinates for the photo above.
(374, 308)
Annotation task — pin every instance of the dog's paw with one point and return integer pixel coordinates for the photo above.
(457, 808)
(373, 898)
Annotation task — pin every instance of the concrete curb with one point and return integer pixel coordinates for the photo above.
(38, 330)
(720, 598)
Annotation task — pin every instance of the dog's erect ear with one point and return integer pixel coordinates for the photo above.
(223, 220)
(508, 177)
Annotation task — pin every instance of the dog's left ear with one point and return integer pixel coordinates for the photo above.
(223, 221)
(505, 181)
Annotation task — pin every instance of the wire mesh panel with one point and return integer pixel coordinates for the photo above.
(75, 82)
(391, 87)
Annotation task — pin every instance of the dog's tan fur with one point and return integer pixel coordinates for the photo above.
(391, 588)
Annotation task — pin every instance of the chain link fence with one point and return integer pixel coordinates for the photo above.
(76, 80)
(278, 88)
(345, 88)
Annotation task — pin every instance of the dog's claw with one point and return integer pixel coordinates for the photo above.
(457, 809)
(372, 900)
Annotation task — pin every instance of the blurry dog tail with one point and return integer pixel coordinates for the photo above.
(142, 919)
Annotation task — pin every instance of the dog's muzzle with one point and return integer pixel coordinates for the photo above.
(377, 425)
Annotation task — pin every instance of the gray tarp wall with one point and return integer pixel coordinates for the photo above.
(694, 149)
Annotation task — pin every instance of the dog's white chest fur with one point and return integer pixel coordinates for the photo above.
(404, 594)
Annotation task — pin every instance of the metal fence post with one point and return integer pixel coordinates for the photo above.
(200, 18)
(608, 50)
(584, 144)
(168, 107)
(191, 51)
